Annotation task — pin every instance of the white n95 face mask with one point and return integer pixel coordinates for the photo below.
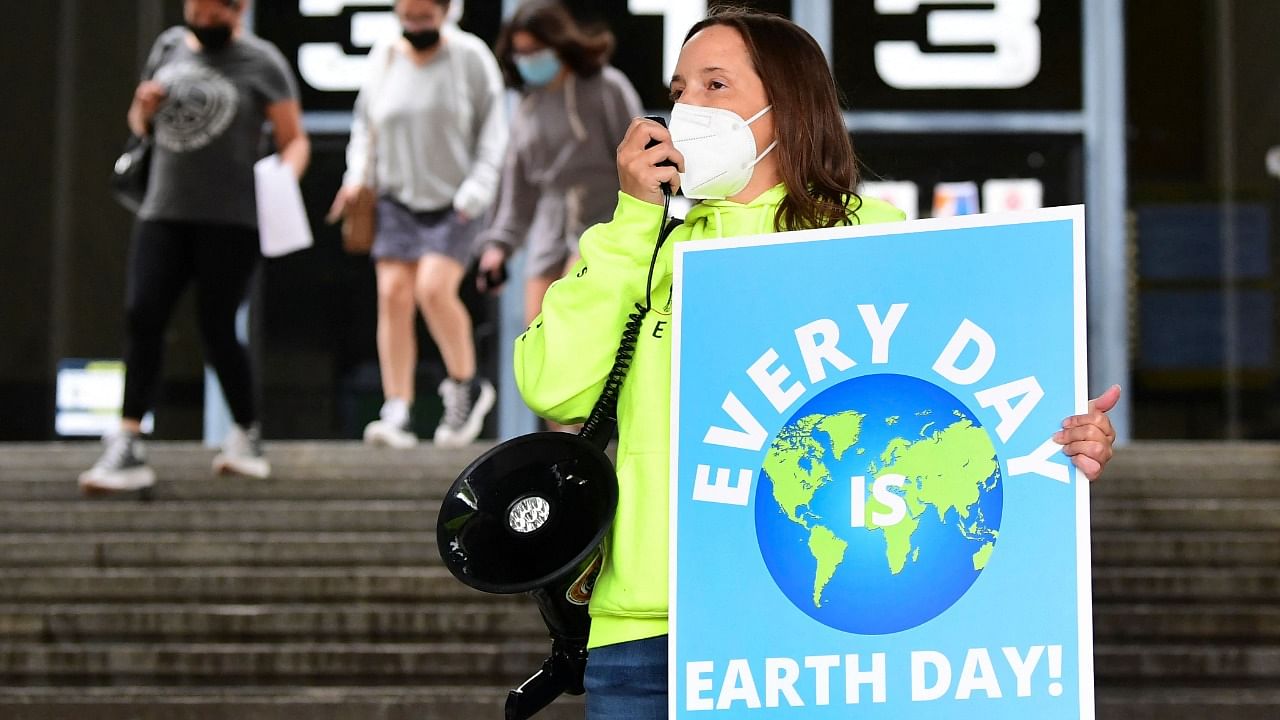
(718, 148)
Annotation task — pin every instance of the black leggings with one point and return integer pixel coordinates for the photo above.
(164, 258)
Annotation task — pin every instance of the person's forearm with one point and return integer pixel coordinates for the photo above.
(137, 125)
(297, 155)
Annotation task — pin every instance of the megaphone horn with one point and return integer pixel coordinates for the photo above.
(527, 512)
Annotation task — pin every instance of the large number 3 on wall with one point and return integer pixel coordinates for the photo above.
(1009, 26)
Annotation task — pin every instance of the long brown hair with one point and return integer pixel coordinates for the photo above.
(815, 156)
(584, 52)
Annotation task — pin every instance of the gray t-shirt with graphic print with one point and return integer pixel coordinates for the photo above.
(208, 129)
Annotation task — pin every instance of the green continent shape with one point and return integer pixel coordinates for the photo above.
(843, 429)
(897, 536)
(794, 484)
(981, 557)
(947, 470)
(898, 541)
(829, 551)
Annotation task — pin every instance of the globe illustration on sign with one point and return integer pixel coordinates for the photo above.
(879, 504)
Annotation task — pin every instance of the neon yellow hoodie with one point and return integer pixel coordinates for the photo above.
(562, 360)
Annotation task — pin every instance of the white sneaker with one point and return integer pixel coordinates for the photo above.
(465, 405)
(122, 467)
(242, 454)
(383, 433)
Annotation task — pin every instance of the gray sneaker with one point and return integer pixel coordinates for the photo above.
(465, 405)
(242, 454)
(122, 467)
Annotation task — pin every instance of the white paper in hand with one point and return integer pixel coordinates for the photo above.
(282, 218)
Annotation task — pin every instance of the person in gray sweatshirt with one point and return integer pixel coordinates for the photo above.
(429, 135)
(560, 175)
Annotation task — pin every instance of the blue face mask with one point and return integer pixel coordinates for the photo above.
(539, 68)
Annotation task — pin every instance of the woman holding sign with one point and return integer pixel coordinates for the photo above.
(760, 140)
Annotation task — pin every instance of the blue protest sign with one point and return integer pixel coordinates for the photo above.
(869, 516)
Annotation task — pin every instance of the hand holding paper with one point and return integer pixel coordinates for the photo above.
(282, 218)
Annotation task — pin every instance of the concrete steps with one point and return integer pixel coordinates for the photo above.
(274, 703)
(267, 663)
(404, 515)
(1190, 514)
(1188, 700)
(45, 484)
(247, 549)
(1258, 584)
(271, 622)
(345, 468)
(1202, 548)
(215, 584)
(319, 593)
(1177, 664)
(1236, 624)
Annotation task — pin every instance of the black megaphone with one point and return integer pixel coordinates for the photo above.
(529, 516)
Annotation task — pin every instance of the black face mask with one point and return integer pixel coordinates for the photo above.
(422, 39)
(212, 37)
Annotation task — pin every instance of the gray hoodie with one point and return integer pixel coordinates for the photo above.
(561, 173)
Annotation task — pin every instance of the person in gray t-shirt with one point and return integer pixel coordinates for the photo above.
(205, 93)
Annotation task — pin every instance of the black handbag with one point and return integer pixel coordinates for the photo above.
(130, 172)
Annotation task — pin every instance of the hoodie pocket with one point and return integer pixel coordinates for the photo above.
(634, 580)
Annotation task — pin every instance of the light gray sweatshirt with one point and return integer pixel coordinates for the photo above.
(439, 130)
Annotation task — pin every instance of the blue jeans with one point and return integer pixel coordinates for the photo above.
(628, 681)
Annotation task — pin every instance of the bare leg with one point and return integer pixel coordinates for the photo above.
(397, 346)
(534, 289)
(436, 289)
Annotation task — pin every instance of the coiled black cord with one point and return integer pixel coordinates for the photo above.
(603, 419)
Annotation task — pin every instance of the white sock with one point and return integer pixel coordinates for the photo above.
(395, 411)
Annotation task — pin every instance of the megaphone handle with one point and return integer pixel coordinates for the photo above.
(562, 672)
(539, 691)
